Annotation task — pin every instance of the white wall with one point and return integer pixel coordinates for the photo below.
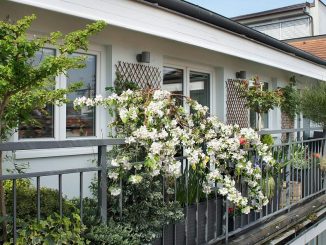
(322, 18)
(119, 44)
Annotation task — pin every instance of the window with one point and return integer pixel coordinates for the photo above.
(65, 122)
(82, 122)
(199, 87)
(253, 117)
(43, 126)
(195, 83)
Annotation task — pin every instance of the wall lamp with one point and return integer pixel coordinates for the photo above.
(241, 75)
(144, 57)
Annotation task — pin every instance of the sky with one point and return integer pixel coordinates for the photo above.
(231, 8)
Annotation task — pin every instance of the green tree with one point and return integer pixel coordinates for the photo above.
(313, 104)
(259, 100)
(291, 99)
(25, 87)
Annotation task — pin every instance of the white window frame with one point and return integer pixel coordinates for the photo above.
(60, 114)
(187, 67)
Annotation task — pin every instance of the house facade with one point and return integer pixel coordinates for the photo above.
(196, 53)
(294, 21)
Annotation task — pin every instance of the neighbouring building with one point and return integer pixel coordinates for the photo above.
(295, 21)
(302, 26)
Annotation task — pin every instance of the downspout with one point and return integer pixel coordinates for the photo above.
(311, 20)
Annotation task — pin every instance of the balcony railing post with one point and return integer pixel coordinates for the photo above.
(102, 182)
(288, 172)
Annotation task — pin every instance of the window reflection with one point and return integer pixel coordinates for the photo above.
(199, 87)
(81, 122)
(43, 126)
(173, 81)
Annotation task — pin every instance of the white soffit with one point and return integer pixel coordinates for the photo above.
(154, 21)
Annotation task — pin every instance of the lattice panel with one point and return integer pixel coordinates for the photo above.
(236, 112)
(144, 75)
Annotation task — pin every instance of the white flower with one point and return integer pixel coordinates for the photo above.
(161, 94)
(113, 175)
(98, 99)
(156, 147)
(223, 191)
(207, 189)
(135, 179)
(130, 140)
(246, 210)
(115, 191)
(123, 113)
(114, 163)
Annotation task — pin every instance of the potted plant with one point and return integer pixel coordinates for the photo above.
(259, 100)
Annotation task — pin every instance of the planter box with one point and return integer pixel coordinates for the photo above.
(295, 193)
(214, 224)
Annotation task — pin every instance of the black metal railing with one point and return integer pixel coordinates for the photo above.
(208, 218)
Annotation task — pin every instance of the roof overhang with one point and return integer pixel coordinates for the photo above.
(147, 18)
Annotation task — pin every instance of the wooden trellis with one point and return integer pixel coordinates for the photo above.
(144, 75)
(236, 112)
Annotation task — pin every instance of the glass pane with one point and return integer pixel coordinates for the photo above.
(43, 127)
(253, 122)
(199, 87)
(264, 119)
(173, 80)
(82, 122)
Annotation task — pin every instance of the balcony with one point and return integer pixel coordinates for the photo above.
(295, 188)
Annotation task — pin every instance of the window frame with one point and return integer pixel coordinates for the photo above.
(190, 67)
(60, 111)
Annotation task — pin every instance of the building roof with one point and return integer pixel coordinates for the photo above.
(315, 45)
(197, 12)
(290, 8)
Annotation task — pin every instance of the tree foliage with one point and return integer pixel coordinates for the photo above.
(313, 103)
(291, 99)
(25, 87)
(258, 99)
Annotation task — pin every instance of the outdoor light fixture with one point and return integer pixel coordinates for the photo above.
(144, 57)
(241, 74)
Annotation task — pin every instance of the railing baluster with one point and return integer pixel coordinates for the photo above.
(102, 182)
(288, 172)
(187, 201)
(60, 194)
(226, 221)
(175, 199)
(206, 218)
(216, 213)
(14, 190)
(197, 214)
(81, 186)
(38, 198)
(305, 172)
(163, 194)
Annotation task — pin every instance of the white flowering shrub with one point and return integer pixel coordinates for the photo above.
(154, 122)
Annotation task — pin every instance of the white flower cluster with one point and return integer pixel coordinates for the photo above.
(154, 121)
